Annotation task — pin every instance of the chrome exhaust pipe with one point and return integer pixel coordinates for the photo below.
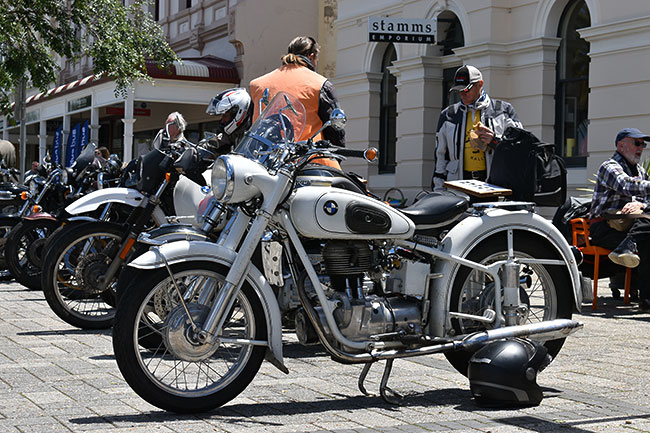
(549, 330)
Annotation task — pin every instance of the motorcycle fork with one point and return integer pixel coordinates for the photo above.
(511, 298)
(225, 298)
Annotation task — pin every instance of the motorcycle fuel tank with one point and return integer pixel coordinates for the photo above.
(332, 213)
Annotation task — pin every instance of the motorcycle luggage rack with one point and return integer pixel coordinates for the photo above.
(505, 205)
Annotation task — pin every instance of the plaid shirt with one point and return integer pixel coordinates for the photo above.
(616, 186)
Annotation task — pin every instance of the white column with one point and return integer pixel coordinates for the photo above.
(94, 125)
(128, 128)
(42, 139)
(418, 108)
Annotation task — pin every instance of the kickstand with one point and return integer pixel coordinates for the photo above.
(388, 394)
(362, 378)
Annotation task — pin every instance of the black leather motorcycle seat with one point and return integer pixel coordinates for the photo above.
(436, 208)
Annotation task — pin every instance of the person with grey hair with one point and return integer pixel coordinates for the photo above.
(8, 153)
(175, 126)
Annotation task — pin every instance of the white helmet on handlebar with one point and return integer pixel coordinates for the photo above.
(234, 110)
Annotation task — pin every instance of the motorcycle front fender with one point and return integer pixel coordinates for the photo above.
(187, 197)
(183, 251)
(467, 234)
(92, 201)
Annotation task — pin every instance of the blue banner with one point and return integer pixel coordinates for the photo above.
(84, 137)
(56, 146)
(72, 149)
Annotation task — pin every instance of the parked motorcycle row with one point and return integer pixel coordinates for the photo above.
(199, 264)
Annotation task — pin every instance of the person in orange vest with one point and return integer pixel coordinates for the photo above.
(297, 76)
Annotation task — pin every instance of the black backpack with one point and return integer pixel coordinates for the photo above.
(530, 168)
(573, 207)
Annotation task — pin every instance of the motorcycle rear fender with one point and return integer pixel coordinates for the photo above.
(92, 201)
(467, 234)
(181, 251)
(40, 216)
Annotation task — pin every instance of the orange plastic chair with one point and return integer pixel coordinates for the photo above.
(580, 229)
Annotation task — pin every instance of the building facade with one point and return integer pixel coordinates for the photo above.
(575, 71)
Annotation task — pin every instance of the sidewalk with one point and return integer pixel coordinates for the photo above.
(55, 378)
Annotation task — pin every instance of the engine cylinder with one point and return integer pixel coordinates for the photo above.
(344, 258)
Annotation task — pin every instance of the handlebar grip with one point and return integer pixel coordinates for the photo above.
(349, 152)
(368, 154)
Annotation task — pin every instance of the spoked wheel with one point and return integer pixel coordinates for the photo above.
(544, 289)
(6, 224)
(24, 250)
(161, 357)
(74, 270)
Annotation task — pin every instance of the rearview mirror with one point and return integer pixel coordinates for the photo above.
(337, 121)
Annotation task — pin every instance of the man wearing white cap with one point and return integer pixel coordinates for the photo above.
(469, 130)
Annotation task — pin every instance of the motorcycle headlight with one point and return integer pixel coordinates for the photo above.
(223, 179)
(33, 187)
(236, 179)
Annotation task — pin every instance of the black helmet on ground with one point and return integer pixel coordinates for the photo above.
(504, 373)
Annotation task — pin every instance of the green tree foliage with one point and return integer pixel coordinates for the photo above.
(118, 38)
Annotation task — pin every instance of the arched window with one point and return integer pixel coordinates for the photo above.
(388, 114)
(572, 78)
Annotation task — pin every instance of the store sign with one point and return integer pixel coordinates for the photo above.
(119, 111)
(408, 30)
(79, 103)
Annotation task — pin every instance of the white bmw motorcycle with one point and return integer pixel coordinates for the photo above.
(367, 281)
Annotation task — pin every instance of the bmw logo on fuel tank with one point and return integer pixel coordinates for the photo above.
(330, 207)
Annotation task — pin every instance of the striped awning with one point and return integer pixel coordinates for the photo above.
(208, 68)
(91, 79)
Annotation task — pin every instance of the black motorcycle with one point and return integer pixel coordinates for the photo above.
(83, 260)
(44, 206)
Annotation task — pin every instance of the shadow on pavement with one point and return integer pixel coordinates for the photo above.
(45, 333)
(535, 424)
(615, 308)
(248, 413)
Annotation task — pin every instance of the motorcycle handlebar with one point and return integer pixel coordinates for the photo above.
(369, 154)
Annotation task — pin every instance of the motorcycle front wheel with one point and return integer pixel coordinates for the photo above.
(544, 289)
(24, 250)
(181, 374)
(73, 270)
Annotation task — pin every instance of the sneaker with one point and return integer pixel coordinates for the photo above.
(644, 305)
(625, 254)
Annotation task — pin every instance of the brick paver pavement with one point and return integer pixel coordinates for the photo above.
(55, 378)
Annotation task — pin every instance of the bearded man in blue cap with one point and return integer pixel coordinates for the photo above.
(622, 194)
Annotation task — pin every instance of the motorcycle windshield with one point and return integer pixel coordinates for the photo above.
(282, 122)
(86, 158)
